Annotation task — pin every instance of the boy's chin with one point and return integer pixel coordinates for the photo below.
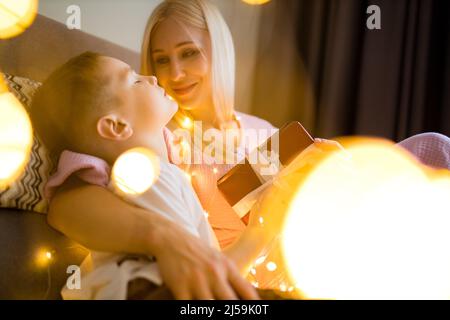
(169, 118)
(173, 110)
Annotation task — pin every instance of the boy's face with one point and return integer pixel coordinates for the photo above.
(142, 102)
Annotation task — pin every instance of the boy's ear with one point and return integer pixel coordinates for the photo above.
(113, 128)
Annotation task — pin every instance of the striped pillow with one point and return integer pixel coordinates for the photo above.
(27, 192)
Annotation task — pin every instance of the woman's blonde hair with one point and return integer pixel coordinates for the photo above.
(201, 14)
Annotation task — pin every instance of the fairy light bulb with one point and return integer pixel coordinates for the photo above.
(215, 170)
(135, 171)
(16, 16)
(16, 137)
(271, 266)
(185, 146)
(260, 260)
(187, 123)
(43, 257)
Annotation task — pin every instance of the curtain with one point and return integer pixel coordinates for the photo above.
(319, 64)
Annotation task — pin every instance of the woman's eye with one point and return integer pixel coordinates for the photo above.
(162, 60)
(137, 81)
(190, 53)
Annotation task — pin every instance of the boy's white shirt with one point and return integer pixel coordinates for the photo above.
(171, 196)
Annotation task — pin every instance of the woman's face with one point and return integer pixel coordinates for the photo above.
(181, 56)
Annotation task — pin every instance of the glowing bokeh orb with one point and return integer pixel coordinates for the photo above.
(16, 16)
(16, 137)
(256, 2)
(373, 224)
(43, 257)
(135, 171)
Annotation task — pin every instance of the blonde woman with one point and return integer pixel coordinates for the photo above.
(188, 46)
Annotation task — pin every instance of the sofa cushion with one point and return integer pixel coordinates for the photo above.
(27, 192)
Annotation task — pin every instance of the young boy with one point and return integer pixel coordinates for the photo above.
(95, 108)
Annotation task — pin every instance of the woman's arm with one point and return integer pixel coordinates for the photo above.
(258, 236)
(99, 220)
(247, 249)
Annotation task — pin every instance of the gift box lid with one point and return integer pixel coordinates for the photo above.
(239, 181)
(288, 142)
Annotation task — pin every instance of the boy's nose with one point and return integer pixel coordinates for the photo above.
(152, 80)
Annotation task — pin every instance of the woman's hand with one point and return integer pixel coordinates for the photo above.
(266, 217)
(328, 144)
(193, 270)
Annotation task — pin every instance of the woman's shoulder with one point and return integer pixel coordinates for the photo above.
(254, 127)
(249, 121)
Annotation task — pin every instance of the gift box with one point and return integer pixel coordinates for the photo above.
(241, 185)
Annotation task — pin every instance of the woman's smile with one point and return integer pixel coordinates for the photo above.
(184, 90)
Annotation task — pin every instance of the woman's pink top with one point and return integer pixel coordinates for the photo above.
(225, 222)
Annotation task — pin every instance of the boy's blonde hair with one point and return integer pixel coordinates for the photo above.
(201, 14)
(63, 106)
